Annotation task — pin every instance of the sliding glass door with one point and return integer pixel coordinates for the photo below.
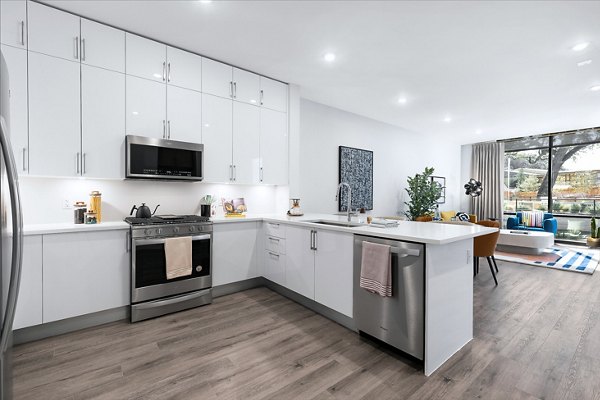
(560, 173)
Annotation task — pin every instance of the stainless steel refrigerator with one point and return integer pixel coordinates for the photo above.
(11, 248)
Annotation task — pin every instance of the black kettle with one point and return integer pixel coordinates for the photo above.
(143, 211)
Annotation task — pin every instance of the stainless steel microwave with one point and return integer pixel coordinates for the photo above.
(151, 158)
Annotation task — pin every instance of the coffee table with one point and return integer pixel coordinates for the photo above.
(524, 242)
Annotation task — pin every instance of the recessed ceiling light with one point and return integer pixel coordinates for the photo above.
(447, 119)
(207, 125)
(595, 88)
(329, 57)
(580, 46)
(478, 131)
(583, 63)
(402, 100)
(205, 1)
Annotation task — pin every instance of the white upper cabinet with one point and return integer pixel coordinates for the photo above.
(246, 134)
(184, 69)
(217, 78)
(102, 46)
(102, 123)
(146, 105)
(246, 86)
(13, 21)
(217, 138)
(53, 32)
(184, 115)
(16, 61)
(274, 94)
(273, 147)
(54, 116)
(146, 58)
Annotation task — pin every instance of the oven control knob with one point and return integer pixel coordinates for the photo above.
(148, 232)
(176, 230)
(192, 228)
(159, 231)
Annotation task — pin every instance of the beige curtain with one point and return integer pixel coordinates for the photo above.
(487, 166)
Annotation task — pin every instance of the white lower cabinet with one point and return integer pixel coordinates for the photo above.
(29, 302)
(333, 270)
(85, 272)
(300, 261)
(235, 252)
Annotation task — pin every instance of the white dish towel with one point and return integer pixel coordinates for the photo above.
(178, 255)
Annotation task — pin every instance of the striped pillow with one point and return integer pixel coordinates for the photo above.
(533, 218)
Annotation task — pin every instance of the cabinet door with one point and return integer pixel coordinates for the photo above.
(246, 136)
(217, 78)
(102, 123)
(184, 115)
(275, 267)
(217, 137)
(184, 69)
(16, 61)
(145, 58)
(274, 94)
(85, 272)
(54, 116)
(246, 86)
(53, 32)
(333, 270)
(300, 261)
(273, 147)
(13, 21)
(234, 252)
(29, 302)
(102, 46)
(145, 113)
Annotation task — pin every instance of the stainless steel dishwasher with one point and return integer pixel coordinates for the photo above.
(398, 320)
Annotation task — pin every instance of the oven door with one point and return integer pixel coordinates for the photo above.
(149, 269)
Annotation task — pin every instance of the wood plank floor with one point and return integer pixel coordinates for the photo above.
(537, 336)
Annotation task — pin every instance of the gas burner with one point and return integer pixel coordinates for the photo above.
(167, 219)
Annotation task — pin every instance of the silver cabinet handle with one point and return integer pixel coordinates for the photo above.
(169, 129)
(169, 72)
(312, 240)
(77, 163)
(82, 49)
(234, 173)
(316, 241)
(231, 89)
(273, 239)
(164, 129)
(164, 77)
(128, 242)
(17, 242)
(261, 174)
(24, 159)
(84, 168)
(22, 33)
(274, 254)
(235, 90)
(230, 172)
(262, 96)
(76, 48)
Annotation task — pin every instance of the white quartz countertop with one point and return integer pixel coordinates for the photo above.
(419, 232)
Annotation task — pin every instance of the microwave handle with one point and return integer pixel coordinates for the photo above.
(163, 240)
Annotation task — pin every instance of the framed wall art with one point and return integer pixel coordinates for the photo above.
(356, 169)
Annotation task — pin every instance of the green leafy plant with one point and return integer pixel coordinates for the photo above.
(424, 194)
(575, 208)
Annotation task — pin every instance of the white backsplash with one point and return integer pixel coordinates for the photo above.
(43, 198)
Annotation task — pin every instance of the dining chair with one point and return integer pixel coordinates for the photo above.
(484, 246)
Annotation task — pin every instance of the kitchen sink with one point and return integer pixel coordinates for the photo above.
(337, 223)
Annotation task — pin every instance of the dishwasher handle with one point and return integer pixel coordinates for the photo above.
(405, 252)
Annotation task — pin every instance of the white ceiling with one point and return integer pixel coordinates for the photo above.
(505, 68)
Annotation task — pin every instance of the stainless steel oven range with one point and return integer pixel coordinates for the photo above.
(152, 294)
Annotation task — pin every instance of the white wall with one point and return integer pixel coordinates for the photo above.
(398, 154)
(465, 174)
(42, 198)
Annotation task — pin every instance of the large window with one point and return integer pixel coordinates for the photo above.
(560, 173)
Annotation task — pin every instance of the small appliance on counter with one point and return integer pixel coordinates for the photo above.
(143, 211)
(295, 209)
(95, 206)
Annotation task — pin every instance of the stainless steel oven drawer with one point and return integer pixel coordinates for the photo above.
(155, 308)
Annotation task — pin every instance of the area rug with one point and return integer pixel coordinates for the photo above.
(563, 258)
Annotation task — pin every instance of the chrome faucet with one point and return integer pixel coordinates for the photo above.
(349, 205)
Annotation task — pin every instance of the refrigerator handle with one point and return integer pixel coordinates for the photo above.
(17, 243)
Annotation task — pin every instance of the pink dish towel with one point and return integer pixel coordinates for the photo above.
(376, 269)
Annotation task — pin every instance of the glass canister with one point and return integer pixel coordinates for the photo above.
(79, 210)
(96, 205)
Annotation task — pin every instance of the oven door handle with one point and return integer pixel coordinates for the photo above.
(143, 242)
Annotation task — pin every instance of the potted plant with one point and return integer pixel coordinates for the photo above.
(594, 239)
(424, 194)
